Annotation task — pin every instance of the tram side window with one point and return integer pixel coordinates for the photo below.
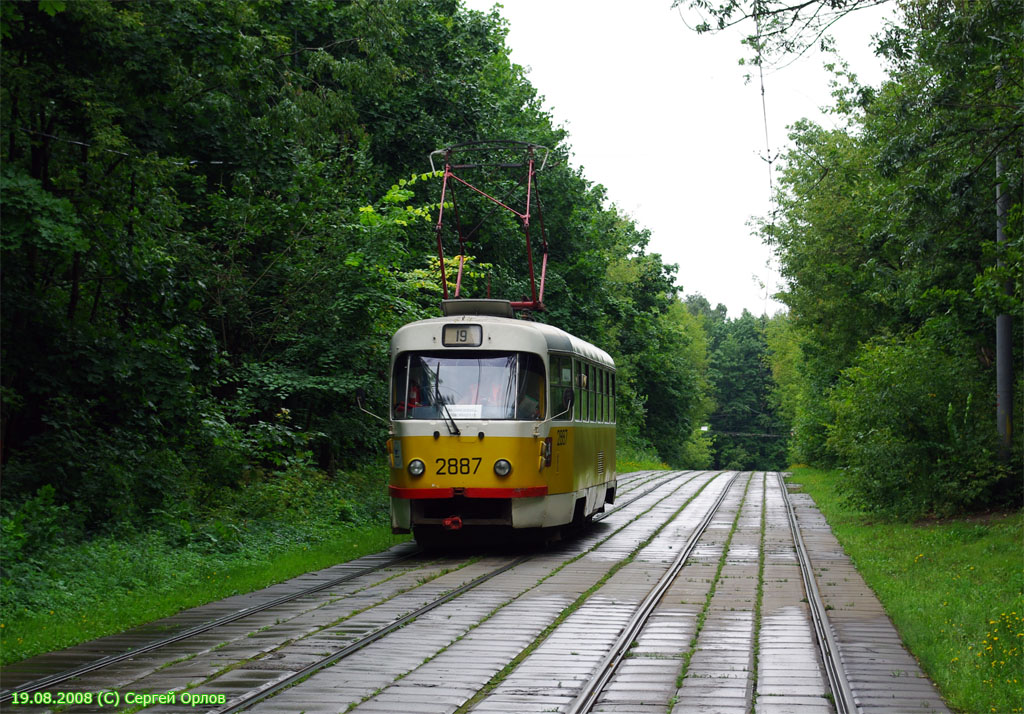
(604, 396)
(530, 398)
(612, 397)
(607, 397)
(587, 386)
(399, 383)
(585, 390)
(577, 398)
(592, 390)
(561, 379)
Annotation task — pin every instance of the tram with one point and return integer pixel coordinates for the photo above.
(497, 421)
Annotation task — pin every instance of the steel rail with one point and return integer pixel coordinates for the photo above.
(842, 694)
(259, 695)
(655, 487)
(586, 699)
(59, 677)
(639, 478)
(247, 700)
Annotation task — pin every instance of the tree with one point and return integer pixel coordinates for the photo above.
(885, 236)
(746, 430)
(781, 27)
(215, 215)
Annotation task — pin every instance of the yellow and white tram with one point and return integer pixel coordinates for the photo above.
(497, 421)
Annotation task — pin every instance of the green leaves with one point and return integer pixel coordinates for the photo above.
(36, 219)
(886, 238)
(214, 219)
(911, 425)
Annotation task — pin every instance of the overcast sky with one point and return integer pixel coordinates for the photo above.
(663, 119)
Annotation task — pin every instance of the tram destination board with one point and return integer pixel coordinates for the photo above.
(462, 335)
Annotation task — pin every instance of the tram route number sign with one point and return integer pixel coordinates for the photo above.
(462, 335)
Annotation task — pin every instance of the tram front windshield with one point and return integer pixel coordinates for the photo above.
(468, 385)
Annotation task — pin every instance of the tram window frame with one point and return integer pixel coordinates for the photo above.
(604, 395)
(559, 383)
(613, 396)
(592, 387)
(587, 386)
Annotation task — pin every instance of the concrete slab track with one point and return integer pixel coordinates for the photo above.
(732, 634)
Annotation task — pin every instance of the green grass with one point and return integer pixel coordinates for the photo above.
(59, 586)
(954, 588)
(630, 458)
(108, 585)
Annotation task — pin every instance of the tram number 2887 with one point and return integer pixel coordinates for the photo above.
(453, 467)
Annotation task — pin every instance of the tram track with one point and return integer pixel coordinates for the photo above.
(638, 483)
(60, 677)
(590, 692)
(839, 684)
(593, 693)
(696, 590)
(840, 693)
(252, 698)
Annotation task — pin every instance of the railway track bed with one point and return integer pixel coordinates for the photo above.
(703, 592)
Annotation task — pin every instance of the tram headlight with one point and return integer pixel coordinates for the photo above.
(416, 467)
(502, 467)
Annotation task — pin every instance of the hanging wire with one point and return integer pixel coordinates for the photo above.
(764, 116)
(75, 142)
(773, 208)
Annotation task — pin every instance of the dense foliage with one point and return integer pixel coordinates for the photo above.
(215, 214)
(886, 237)
(746, 430)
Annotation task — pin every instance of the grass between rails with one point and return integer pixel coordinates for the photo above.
(169, 580)
(953, 588)
(507, 670)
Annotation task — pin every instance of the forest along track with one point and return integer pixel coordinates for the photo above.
(245, 625)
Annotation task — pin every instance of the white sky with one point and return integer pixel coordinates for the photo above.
(662, 118)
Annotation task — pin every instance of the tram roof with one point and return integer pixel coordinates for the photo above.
(557, 340)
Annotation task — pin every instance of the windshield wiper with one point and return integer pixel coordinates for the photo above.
(453, 428)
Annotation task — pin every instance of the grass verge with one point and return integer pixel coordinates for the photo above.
(954, 589)
(630, 458)
(165, 579)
